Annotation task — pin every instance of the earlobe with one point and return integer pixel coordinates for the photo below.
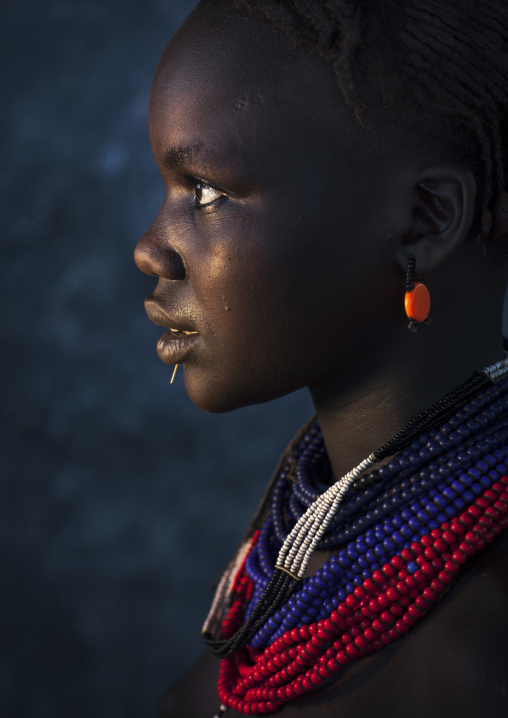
(443, 213)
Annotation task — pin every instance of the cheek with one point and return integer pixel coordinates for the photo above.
(234, 275)
(245, 338)
(282, 309)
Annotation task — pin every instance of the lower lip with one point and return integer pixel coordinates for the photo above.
(173, 348)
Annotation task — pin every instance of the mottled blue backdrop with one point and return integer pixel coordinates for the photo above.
(120, 501)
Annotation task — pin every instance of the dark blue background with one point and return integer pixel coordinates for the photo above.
(120, 501)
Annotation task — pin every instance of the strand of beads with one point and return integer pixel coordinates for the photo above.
(361, 556)
(377, 612)
(442, 499)
(310, 528)
(320, 594)
(302, 541)
(459, 458)
(454, 440)
(440, 477)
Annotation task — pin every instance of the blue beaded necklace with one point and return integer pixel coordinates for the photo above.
(365, 517)
(438, 476)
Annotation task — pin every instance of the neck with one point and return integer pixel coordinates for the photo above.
(364, 409)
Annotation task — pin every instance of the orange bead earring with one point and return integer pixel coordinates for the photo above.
(417, 299)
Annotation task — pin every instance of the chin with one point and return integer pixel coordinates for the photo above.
(218, 395)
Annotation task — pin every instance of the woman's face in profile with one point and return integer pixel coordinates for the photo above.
(267, 235)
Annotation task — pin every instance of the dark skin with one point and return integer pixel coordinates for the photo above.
(283, 242)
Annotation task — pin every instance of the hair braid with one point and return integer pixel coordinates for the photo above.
(448, 58)
(465, 42)
(469, 89)
(465, 28)
(462, 27)
(465, 91)
(347, 37)
(425, 89)
(327, 27)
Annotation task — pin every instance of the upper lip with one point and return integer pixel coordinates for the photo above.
(157, 315)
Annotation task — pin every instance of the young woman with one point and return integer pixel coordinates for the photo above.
(320, 159)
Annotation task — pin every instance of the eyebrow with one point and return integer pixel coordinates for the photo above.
(177, 156)
(216, 166)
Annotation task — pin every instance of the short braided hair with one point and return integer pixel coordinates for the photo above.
(447, 58)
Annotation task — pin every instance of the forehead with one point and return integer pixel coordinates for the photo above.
(228, 52)
(229, 75)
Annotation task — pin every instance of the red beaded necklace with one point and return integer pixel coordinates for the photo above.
(379, 611)
(393, 597)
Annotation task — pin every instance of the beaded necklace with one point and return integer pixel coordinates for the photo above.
(399, 534)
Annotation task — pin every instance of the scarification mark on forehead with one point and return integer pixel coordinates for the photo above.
(244, 102)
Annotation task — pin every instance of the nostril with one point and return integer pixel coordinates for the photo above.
(175, 266)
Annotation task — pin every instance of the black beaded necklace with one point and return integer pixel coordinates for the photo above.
(290, 568)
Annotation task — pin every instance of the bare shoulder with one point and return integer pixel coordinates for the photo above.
(454, 662)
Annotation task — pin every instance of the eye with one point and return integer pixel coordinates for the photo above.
(206, 195)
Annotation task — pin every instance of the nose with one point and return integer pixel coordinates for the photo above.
(155, 257)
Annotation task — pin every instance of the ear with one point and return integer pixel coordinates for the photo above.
(443, 209)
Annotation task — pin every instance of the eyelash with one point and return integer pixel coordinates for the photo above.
(199, 185)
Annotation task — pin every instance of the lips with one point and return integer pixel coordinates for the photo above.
(174, 345)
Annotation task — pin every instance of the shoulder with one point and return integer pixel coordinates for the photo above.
(453, 662)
